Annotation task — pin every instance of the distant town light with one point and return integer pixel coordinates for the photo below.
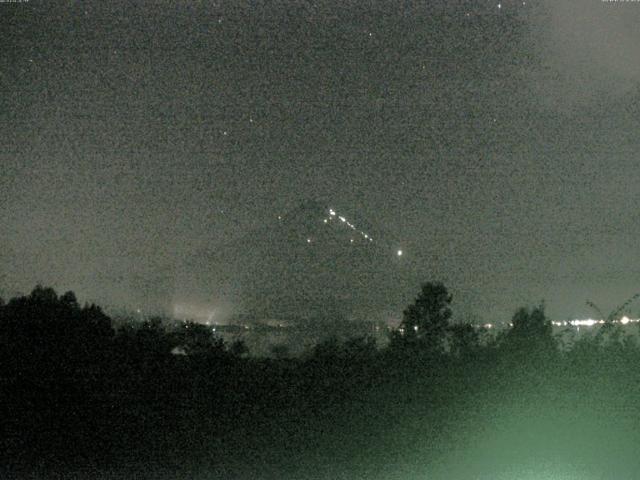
(399, 253)
(584, 323)
(332, 212)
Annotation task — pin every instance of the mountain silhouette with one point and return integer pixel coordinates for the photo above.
(314, 261)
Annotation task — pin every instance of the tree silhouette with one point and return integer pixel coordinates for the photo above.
(150, 336)
(463, 339)
(198, 339)
(425, 322)
(531, 331)
(239, 348)
(69, 299)
(42, 324)
(62, 403)
(360, 348)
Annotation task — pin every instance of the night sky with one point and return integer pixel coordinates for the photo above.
(497, 141)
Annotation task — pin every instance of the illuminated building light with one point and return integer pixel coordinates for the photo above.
(342, 219)
(308, 240)
(351, 240)
(332, 212)
(590, 322)
(399, 253)
(578, 323)
(366, 236)
(584, 323)
(325, 220)
(415, 328)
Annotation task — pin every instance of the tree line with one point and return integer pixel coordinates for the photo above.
(80, 395)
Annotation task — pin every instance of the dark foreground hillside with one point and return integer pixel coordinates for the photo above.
(80, 400)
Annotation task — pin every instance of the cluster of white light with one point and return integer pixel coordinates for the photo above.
(333, 214)
(590, 322)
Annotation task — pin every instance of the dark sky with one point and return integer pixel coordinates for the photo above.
(497, 141)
